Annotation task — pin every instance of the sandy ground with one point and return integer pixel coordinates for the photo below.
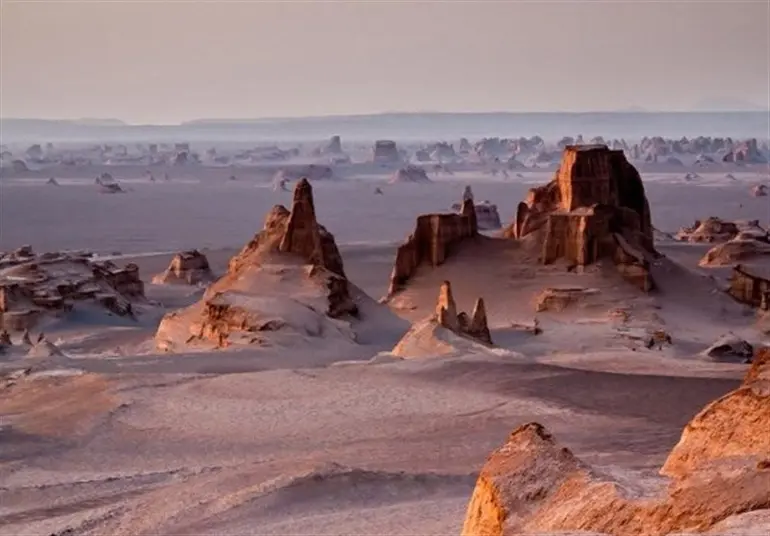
(119, 439)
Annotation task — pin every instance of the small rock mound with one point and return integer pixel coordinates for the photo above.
(559, 299)
(730, 347)
(188, 268)
(44, 348)
(410, 174)
(760, 190)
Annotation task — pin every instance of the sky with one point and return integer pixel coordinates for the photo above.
(163, 62)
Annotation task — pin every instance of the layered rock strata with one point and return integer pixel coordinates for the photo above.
(431, 242)
(594, 208)
(33, 286)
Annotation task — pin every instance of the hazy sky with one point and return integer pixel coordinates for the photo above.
(168, 61)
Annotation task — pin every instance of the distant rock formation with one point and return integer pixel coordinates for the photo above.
(52, 182)
(487, 217)
(431, 242)
(751, 289)
(334, 146)
(730, 347)
(594, 208)
(188, 268)
(44, 348)
(559, 299)
(311, 172)
(410, 174)
(291, 260)
(712, 229)
(33, 286)
(738, 250)
(718, 470)
(746, 152)
(385, 151)
(760, 190)
(108, 185)
(426, 338)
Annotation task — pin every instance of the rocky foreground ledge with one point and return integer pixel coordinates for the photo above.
(719, 469)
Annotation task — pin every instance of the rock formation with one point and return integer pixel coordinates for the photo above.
(334, 146)
(187, 267)
(33, 286)
(737, 250)
(311, 172)
(290, 275)
(594, 208)
(730, 429)
(385, 151)
(429, 337)
(730, 347)
(410, 174)
(487, 217)
(718, 470)
(760, 190)
(712, 229)
(431, 242)
(750, 288)
(459, 323)
(559, 299)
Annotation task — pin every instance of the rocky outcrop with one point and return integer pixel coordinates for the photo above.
(719, 470)
(432, 241)
(594, 208)
(446, 331)
(732, 428)
(487, 217)
(460, 323)
(712, 229)
(749, 288)
(410, 174)
(746, 152)
(730, 348)
(559, 299)
(738, 250)
(334, 146)
(289, 277)
(33, 286)
(385, 151)
(187, 268)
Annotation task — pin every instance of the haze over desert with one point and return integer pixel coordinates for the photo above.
(532, 322)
